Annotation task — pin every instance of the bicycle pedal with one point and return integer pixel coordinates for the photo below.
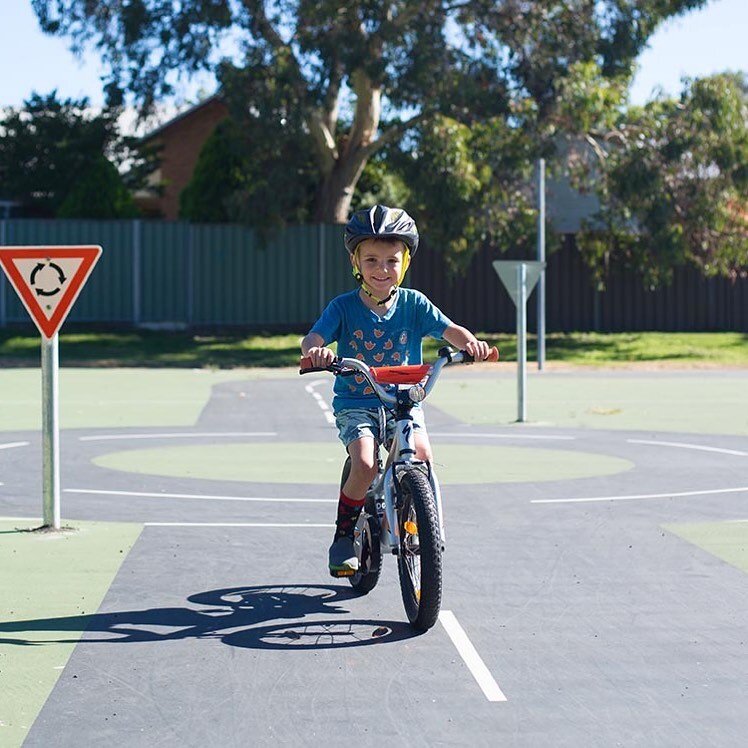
(342, 572)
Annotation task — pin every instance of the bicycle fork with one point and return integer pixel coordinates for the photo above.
(402, 454)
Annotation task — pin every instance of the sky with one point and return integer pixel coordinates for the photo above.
(699, 43)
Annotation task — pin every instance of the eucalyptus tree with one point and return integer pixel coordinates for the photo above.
(352, 78)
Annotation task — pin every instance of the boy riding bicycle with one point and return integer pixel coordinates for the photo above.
(381, 324)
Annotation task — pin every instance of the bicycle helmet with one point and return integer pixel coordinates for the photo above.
(381, 222)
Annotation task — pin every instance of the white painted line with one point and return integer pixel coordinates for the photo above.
(471, 657)
(329, 415)
(673, 495)
(21, 519)
(13, 445)
(269, 499)
(175, 436)
(501, 436)
(231, 524)
(684, 445)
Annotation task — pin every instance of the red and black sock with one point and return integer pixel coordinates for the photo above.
(348, 511)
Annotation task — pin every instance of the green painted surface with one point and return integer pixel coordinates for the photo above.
(43, 577)
(321, 463)
(726, 540)
(111, 398)
(691, 403)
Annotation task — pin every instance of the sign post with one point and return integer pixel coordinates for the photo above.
(48, 281)
(519, 279)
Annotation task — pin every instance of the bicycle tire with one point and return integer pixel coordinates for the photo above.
(419, 563)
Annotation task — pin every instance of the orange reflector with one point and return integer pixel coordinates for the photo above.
(346, 573)
(410, 527)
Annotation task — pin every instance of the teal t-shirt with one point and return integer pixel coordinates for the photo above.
(391, 339)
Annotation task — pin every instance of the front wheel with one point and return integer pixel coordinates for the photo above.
(420, 560)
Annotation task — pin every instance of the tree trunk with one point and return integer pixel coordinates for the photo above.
(342, 166)
(333, 202)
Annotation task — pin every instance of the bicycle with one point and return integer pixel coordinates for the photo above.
(402, 512)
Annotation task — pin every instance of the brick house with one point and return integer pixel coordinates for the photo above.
(180, 141)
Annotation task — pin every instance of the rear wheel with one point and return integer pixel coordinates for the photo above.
(369, 551)
(420, 560)
(366, 542)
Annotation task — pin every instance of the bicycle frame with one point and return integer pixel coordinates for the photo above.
(402, 451)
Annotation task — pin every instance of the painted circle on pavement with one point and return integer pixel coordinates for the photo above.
(321, 462)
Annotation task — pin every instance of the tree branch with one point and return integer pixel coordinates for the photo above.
(393, 132)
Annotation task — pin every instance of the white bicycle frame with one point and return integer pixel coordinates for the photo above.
(402, 451)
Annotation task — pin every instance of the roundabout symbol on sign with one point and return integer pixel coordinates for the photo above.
(49, 277)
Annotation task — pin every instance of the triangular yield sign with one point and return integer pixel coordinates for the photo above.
(48, 280)
(507, 272)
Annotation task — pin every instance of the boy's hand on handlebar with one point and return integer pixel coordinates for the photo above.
(478, 349)
(321, 356)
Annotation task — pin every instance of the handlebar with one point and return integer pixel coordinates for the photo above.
(344, 366)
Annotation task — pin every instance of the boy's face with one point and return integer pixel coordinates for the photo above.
(380, 264)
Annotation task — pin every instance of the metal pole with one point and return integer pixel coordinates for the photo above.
(521, 342)
(50, 434)
(541, 258)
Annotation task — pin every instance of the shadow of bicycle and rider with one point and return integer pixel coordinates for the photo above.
(258, 617)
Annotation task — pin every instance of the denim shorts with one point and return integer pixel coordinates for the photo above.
(353, 423)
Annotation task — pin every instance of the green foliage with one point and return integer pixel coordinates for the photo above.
(53, 159)
(470, 186)
(674, 182)
(324, 85)
(380, 183)
(219, 173)
(99, 192)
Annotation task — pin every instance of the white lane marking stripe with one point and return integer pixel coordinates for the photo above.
(22, 519)
(175, 436)
(329, 415)
(13, 445)
(231, 524)
(684, 445)
(199, 496)
(673, 495)
(471, 657)
(502, 436)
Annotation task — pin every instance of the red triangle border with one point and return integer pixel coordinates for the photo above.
(89, 256)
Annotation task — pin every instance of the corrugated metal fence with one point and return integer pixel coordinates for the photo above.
(180, 274)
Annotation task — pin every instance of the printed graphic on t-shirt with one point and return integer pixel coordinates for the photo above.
(381, 350)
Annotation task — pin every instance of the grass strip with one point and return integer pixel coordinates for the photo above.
(147, 348)
(51, 583)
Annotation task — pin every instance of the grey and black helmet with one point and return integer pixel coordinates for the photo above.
(381, 222)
